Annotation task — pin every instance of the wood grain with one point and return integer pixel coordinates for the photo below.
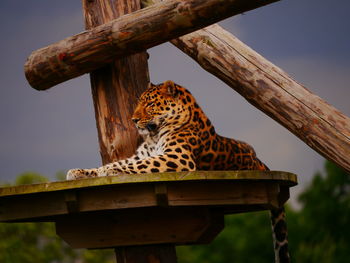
(267, 87)
(224, 190)
(284, 178)
(126, 35)
(116, 87)
(132, 227)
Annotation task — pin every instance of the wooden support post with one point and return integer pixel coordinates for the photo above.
(116, 86)
(115, 89)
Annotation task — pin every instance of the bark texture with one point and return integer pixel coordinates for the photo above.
(115, 89)
(267, 87)
(116, 86)
(126, 35)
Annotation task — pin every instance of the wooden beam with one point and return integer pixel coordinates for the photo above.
(115, 90)
(270, 89)
(267, 87)
(126, 35)
(142, 226)
(116, 86)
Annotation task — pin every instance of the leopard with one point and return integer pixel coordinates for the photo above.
(178, 137)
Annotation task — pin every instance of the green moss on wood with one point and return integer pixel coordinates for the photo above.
(288, 178)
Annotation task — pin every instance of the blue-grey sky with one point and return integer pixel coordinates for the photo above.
(55, 130)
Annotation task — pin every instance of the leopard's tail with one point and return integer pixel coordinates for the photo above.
(279, 228)
(280, 235)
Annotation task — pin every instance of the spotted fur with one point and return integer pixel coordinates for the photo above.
(178, 136)
(280, 235)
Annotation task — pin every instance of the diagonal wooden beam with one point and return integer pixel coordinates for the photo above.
(270, 89)
(126, 35)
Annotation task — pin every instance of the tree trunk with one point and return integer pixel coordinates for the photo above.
(267, 87)
(126, 35)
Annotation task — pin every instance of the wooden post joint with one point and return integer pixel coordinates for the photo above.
(283, 195)
(71, 201)
(161, 192)
(273, 192)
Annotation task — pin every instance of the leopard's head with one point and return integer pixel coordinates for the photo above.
(160, 106)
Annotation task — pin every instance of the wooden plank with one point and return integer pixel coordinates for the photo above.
(47, 206)
(289, 179)
(126, 35)
(237, 209)
(117, 197)
(32, 207)
(140, 227)
(217, 193)
(221, 193)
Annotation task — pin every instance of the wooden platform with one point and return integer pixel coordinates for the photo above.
(128, 210)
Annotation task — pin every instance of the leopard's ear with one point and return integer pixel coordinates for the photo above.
(171, 88)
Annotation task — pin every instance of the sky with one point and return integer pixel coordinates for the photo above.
(54, 130)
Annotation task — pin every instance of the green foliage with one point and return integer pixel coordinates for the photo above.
(30, 178)
(245, 235)
(24, 242)
(37, 242)
(318, 232)
(321, 230)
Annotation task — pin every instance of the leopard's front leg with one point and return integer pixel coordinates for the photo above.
(142, 152)
(169, 162)
(106, 170)
(172, 159)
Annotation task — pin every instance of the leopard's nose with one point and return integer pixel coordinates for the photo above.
(135, 120)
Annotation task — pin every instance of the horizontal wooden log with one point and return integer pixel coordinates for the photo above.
(125, 35)
(267, 87)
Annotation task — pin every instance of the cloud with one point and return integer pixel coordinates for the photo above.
(43, 131)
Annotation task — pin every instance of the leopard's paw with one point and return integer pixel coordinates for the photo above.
(74, 174)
